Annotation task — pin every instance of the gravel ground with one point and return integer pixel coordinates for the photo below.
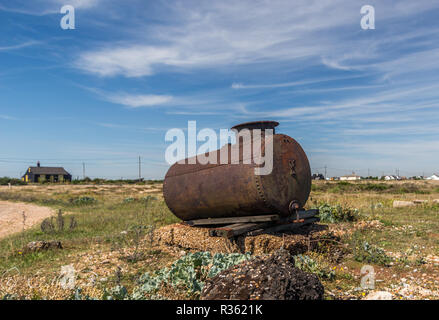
(13, 221)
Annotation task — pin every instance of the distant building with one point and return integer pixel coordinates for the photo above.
(350, 177)
(318, 176)
(433, 177)
(393, 177)
(49, 174)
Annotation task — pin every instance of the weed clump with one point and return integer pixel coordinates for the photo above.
(4, 181)
(189, 272)
(365, 252)
(308, 264)
(337, 213)
(84, 201)
(50, 226)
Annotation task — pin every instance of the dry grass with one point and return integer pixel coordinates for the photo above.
(103, 242)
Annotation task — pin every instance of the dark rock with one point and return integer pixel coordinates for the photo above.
(272, 278)
(35, 246)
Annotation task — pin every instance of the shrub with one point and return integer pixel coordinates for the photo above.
(374, 187)
(84, 201)
(146, 199)
(308, 264)
(128, 200)
(365, 252)
(334, 214)
(188, 272)
(4, 181)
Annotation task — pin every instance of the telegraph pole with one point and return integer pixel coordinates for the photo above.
(140, 169)
(83, 170)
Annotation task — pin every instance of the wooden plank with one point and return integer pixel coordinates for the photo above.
(308, 213)
(282, 227)
(250, 219)
(303, 215)
(226, 231)
(237, 229)
(230, 220)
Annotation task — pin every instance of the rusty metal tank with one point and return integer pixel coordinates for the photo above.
(198, 191)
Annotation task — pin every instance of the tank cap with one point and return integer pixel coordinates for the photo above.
(263, 125)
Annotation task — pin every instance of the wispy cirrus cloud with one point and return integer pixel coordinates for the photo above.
(20, 45)
(237, 85)
(200, 35)
(387, 101)
(6, 117)
(46, 7)
(139, 100)
(129, 127)
(306, 63)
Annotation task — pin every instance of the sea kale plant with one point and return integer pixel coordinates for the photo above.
(365, 252)
(189, 272)
(308, 264)
(337, 213)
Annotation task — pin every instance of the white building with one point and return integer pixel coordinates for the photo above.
(433, 177)
(392, 178)
(350, 177)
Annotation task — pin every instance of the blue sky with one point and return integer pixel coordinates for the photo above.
(107, 91)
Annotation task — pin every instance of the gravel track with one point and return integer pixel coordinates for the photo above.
(11, 216)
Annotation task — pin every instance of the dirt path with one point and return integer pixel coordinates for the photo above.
(11, 216)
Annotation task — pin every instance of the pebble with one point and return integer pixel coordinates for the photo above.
(379, 295)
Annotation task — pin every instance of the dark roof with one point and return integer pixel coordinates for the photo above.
(48, 170)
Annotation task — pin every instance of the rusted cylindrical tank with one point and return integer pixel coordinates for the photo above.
(197, 191)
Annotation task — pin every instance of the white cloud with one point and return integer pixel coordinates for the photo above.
(335, 64)
(77, 4)
(197, 34)
(288, 84)
(5, 117)
(141, 100)
(45, 7)
(134, 61)
(388, 101)
(212, 34)
(19, 46)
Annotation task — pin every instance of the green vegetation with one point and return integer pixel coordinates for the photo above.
(116, 181)
(96, 221)
(188, 273)
(4, 181)
(353, 187)
(319, 268)
(120, 221)
(365, 252)
(338, 213)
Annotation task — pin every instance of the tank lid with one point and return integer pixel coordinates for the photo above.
(263, 125)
